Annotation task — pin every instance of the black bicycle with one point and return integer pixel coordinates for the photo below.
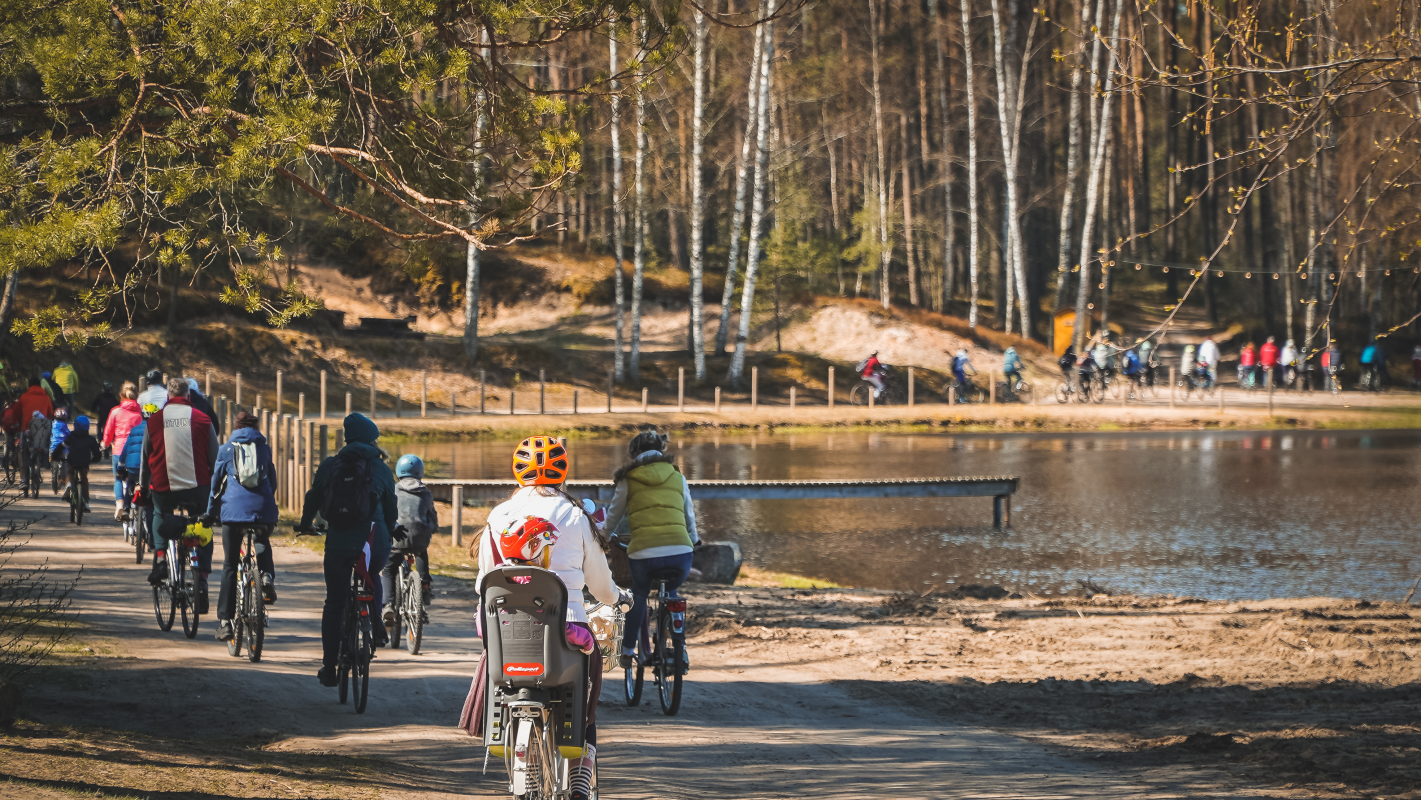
(407, 614)
(177, 592)
(892, 395)
(657, 649)
(249, 621)
(357, 638)
(12, 459)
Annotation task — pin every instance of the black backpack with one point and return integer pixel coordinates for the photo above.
(350, 495)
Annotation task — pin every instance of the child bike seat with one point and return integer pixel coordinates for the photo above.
(524, 633)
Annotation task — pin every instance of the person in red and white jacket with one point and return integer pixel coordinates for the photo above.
(179, 451)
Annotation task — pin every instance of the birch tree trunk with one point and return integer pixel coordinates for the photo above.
(971, 161)
(698, 345)
(638, 212)
(949, 243)
(1003, 40)
(472, 278)
(908, 215)
(737, 219)
(7, 309)
(1100, 116)
(757, 208)
(1073, 153)
(885, 255)
(618, 217)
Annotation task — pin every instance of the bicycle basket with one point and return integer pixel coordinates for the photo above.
(607, 623)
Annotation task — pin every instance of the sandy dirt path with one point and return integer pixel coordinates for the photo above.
(775, 729)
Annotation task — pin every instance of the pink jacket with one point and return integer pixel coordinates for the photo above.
(122, 420)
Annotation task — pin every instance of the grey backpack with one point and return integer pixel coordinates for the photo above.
(246, 462)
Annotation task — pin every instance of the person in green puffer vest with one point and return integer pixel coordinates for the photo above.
(653, 498)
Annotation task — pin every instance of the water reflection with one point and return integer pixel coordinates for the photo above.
(1215, 514)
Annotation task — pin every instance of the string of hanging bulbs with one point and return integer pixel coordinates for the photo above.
(1165, 268)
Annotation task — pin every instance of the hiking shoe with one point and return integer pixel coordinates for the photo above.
(327, 677)
(159, 573)
(627, 660)
(268, 588)
(224, 630)
(427, 591)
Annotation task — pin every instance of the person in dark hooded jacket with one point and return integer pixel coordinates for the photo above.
(236, 507)
(346, 544)
(419, 519)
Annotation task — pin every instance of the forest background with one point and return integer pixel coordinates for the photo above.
(993, 159)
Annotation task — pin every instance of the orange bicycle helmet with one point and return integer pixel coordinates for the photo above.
(540, 461)
(530, 539)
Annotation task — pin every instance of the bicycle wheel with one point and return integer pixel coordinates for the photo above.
(360, 669)
(77, 504)
(859, 394)
(413, 610)
(1024, 395)
(255, 613)
(344, 659)
(636, 673)
(140, 533)
(1097, 389)
(239, 622)
(164, 607)
(668, 661)
(394, 631)
(1063, 394)
(54, 476)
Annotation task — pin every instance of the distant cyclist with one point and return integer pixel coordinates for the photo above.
(103, 405)
(1209, 354)
(873, 371)
(355, 494)
(121, 422)
(129, 463)
(654, 498)
(961, 368)
(179, 451)
(1011, 369)
(81, 450)
(157, 393)
(418, 517)
(1067, 364)
(58, 432)
(243, 495)
(1268, 362)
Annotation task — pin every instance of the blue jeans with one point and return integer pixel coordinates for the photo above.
(641, 587)
(118, 489)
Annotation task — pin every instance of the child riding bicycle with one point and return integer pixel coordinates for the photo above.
(80, 450)
(418, 517)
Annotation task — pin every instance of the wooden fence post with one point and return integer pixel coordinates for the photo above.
(542, 396)
(239, 388)
(610, 378)
(1171, 387)
(645, 393)
(325, 432)
(680, 388)
(323, 394)
(424, 394)
(754, 388)
(717, 399)
(454, 404)
(301, 405)
(348, 400)
(457, 538)
(372, 393)
(511, 406)
(574, 401)
(791, 397)
(910, 387)
(399, 404)
(279, 408)
(991, 387)
(483, 393)
(831, 387)
(207, 386)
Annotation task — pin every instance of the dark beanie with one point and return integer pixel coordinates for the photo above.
(245, 419)
(360, 428)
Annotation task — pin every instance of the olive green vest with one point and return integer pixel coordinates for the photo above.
(656, 507)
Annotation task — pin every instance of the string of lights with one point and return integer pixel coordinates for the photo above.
(1246, 273)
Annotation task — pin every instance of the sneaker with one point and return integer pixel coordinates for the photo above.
(200, 603)
(268, 588)
(224, 630)
(427, 591)
(159, 573)
(382, 636)
(389, 620)
(327, 677)
(628, 659)
(118, 515)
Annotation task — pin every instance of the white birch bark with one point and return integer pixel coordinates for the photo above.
(757, 207)
(885, 255)
(971, 162)
(472, 278)
(698, 345)
(1023, 297)
(949, 242)
(618, 217)
(908, 213)
(1073, 151)
(1093, 180)
(638, 211)
(1005, 106)
(742, 171)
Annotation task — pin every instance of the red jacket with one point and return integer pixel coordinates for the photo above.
(35, 399)
(1268, 354)
(1245, 357)
(871, 366)
(179, 448)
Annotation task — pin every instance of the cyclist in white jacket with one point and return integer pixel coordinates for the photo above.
(564, 543)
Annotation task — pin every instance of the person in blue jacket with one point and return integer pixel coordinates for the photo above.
(237, 506)
(346, 544)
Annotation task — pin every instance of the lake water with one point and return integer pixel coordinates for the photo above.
(1212, 514)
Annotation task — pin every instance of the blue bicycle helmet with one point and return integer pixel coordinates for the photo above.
(409, 466)
(81, 424)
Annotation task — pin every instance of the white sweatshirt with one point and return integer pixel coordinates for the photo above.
(577, 559)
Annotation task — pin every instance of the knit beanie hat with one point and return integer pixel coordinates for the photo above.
(245, 419)
(360, 428)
